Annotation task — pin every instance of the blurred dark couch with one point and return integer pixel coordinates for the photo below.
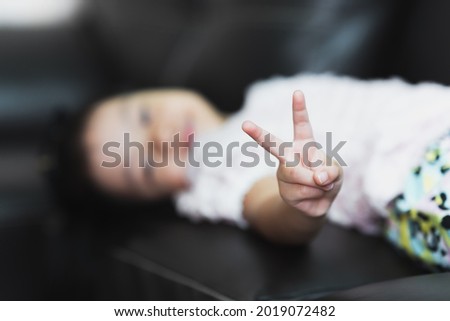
(217, 47)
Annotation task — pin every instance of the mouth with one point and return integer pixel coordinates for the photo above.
(187, 134)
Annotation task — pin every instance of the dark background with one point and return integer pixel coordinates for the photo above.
(217, 47)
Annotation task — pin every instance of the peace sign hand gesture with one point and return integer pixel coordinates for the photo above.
(307, 180)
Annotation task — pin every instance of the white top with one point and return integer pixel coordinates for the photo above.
(386, 124)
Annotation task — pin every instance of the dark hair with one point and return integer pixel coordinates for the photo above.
(64, 163)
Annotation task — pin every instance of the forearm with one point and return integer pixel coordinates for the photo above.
(267, 213)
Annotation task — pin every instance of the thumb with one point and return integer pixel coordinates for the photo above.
(326, 175)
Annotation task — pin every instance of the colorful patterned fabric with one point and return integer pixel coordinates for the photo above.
(419, 219)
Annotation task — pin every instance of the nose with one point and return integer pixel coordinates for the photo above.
(161, 133)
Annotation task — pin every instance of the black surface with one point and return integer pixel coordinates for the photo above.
(433, 287)
(224, 262)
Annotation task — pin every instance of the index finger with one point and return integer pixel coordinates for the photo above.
(302, 126)
(266, 140)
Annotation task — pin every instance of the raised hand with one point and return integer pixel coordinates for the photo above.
(307, 180)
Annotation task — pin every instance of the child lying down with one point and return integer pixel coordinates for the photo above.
(372, 155)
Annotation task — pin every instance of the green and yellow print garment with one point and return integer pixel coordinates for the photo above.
(419, 219)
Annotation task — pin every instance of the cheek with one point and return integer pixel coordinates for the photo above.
(170, 178)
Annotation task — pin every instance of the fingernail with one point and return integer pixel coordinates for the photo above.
(329, 187)
(323, 177)
(298, 93)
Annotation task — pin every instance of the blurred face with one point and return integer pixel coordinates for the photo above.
(150, 120)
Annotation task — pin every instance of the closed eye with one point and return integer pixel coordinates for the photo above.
(144, 117)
